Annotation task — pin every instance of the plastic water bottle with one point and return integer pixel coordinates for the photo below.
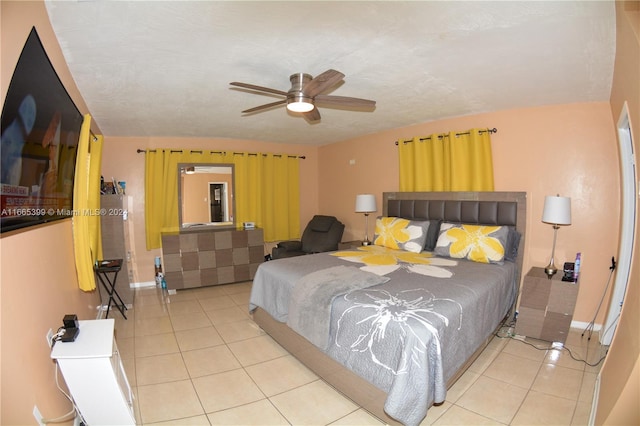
(576, 268)
(158, 268)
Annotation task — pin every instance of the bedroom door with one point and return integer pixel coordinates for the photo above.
(629, 208)
(217, 197)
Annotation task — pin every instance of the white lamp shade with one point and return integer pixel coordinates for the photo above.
(557, 210)
(365, 203)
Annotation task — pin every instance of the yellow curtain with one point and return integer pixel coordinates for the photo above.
(95, 229)
(248, 187)
(86, 205)
(153, 197)
(266, 188)
(447, 162)
(280, 197)
(161, 189)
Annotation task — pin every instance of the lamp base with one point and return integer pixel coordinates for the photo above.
(366, 243)
(550, 269)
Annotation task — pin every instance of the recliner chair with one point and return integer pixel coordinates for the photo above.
(323, 233)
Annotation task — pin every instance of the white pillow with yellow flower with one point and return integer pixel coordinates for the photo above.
(479, 243)
(401, 234)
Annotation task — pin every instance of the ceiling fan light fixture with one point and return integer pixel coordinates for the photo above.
(300, 106)
(304, 92)
(299, 103)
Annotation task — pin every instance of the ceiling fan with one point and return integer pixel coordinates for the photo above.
(306, 94)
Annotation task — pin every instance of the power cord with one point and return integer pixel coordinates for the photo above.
(74, 408)
(593, 321)
(57, 336)
(509, 335)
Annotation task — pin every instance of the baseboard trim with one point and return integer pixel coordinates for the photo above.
(594, 402)
(143, 284)
(583, 325)
(102, 309)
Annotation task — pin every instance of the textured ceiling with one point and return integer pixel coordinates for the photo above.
(163, 68)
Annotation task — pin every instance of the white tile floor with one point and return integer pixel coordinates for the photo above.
(197, 358)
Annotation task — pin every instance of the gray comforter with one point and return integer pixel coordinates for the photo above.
(407, 335)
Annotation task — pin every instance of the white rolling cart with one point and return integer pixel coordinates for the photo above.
(92, 368)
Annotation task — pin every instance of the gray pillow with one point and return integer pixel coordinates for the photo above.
(513, 242)
(432, 234)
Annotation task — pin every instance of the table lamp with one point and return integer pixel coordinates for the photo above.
(366, 203)
(557, 211)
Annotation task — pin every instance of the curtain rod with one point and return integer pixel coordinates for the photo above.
(180, 150)
(222, 152)
(445, 135)
(302, 157)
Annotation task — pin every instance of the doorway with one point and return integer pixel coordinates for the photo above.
(217, 195)
(627, 235)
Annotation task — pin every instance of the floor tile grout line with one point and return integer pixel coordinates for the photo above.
(226, 344)
(588, 351)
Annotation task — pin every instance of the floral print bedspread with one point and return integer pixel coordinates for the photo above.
(411, 334)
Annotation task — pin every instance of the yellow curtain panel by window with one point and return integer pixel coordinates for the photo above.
(266, 188)
(161, 188)
(95, 158)
(86, 198)
(454, 161)
(268, 193)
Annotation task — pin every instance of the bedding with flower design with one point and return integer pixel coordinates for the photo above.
(407, 333)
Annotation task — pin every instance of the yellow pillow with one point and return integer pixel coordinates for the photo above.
(479, 243)
(401, 234)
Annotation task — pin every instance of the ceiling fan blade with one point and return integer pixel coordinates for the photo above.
(258, 88)
(344, 101)
(265, 106)
(322, 82)
(313, 115)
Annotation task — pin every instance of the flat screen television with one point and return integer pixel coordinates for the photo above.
(40, 129)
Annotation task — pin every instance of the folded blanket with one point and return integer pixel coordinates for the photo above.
(313, 294)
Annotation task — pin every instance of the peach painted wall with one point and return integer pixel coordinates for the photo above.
(620, 374)
(530, 152)
(38, 283)
(566, 149)
(121, 160)
(570, 149)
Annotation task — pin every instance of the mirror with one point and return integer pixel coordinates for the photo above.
(205, 195)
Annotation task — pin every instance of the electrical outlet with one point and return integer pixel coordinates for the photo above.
(37, 415)
(50, 337)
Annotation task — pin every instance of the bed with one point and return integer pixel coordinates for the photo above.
(393, 325)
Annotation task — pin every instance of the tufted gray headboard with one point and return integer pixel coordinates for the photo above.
(485, 208)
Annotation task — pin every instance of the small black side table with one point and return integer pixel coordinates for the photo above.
(103, 268)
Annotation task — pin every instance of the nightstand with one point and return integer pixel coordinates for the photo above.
(346, 245)
(546, 306)
(93, 370)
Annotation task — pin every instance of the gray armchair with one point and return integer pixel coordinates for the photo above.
(323, 233)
